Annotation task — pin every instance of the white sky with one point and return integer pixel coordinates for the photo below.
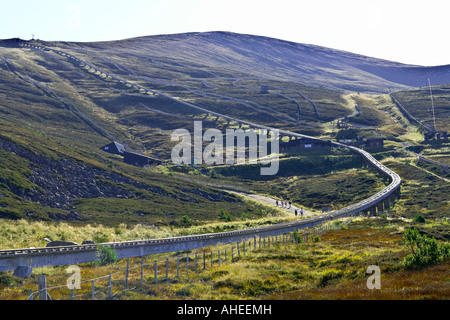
(407, 31)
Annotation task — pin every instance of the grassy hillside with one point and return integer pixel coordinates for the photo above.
(418, 102)
(64, 100)
(48, 180)
(60, 102)
(334, 267)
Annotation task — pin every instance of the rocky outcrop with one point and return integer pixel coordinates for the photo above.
(61, 243)
(60, 182)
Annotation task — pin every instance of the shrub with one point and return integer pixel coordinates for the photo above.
(100, 237)
(224, 216)
(297, 237)
(419, 218)
(425, 251)
(8, 280)
(105, 255)
(185, 220)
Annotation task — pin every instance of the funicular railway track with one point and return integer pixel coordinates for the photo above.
(64, 255)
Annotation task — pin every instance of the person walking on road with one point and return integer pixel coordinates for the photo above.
(301, 212)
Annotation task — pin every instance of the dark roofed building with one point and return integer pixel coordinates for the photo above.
(436, 134)
(130, 157)
(374, 142)
(303, 143)
(138, 159)
(114, 148)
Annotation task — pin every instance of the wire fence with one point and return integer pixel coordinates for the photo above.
(145, 272)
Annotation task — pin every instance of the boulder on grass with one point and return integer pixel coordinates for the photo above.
(23, 272)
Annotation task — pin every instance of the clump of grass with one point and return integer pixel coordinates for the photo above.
(329, 276)
(9, 280)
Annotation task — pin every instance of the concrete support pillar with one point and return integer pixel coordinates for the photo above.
(373, 211)
(392, 198)
(387, 204)
(380, 208)
(398, 193)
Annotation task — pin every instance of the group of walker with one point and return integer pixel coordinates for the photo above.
(284, 204)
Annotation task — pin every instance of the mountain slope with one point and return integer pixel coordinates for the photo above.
(282, 60)
(63, 101)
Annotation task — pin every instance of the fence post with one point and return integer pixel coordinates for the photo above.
(126, 274)
(93, 289)
(42, 284)
(238, 251)
(196, 262)
(110, 286)
(204, 260)
(226, 261)
(187, 264)
(232, 254)
(178, 266)
(156, 271)
(218, 254)
(142, 271)
(167, 269)
(72, 293)
(243, 247)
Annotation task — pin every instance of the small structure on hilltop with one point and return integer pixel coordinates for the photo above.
(264, 89)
